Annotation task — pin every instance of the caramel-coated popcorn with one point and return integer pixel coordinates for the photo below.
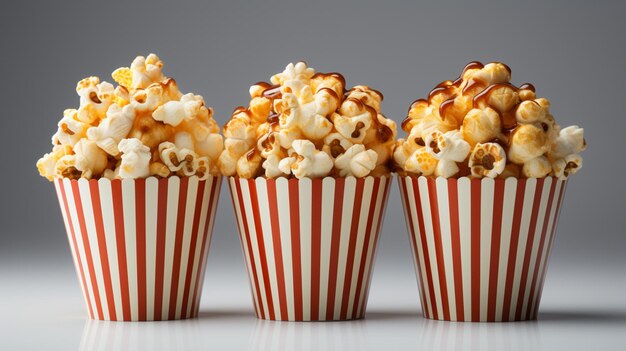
(306, 124)
(480, 125)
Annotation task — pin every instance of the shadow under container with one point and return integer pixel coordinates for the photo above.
(309, 244)
(481, 246)
(140, 245)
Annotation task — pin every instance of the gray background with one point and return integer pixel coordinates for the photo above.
(573, 52)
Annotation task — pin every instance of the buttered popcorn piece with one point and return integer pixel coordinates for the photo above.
(509, 130)
(135, 159)
(487, 160)
(311, 112)
(116, 132)
(306, 161)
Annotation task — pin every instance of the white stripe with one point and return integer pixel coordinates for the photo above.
(545, 194)
(85, 195)
(173, 188)
(284, 219)
(446, 242)
(207, 246)
(266, 227)
(247, 209)
(544, 254)
(430, 241)
(152, 199)
(68, 230)
(305, 193)
(328, 205)
(244, 244)
(508, 204)
(421, 250)
(349, 195)
(108, 220)
(486, 216)
(359, 251)
(130, 242)
(529, 195)
(369, 262)
(192, 193)
(465, 231)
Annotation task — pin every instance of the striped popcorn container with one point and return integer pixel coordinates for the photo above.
(309, 244)
(481, 246)
(139, 245)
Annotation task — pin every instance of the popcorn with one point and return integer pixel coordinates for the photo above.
(507, 130)
(306, 161)
(95, 99)
(71, 129)
(537, 167)
(135, 159)
(304, 124)
(47, 164)
(528, 142)
(113, 128)
(89, 159)
(487, 160)
(117, 132)
(565, 167)
(356, 161)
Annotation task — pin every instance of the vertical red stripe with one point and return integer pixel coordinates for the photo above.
(278, 251)
(160, 248)
(496, 236)
(79, 263)
(140, 214)
(354, 230)
(334, 247)
(528, 250)
(366, 242)
(178, 245)
(206, 243)
(549, 250)
(475, 213)
(102, 247)
(192, 247)
(515, 233)
(424, 248)
(434, 212)
(254, 200)
(294, 210)
(540, 249)
(381, 216)
(316, 242)
(453, 200)
(120, 239)
(246, 232)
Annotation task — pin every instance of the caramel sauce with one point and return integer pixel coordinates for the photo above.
(335, 75)
(272, 92)
(251, 154)
(407, 119)
(527, 86)
(273, 118)
(443, 108)
(507, 118)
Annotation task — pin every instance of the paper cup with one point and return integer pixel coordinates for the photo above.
(309, 245)
(481, 247)
(140, 246)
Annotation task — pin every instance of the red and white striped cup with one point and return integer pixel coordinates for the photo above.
(140, 246)
(481, 247)
(309, 244)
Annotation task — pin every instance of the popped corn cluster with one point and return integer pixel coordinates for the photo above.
(143, 127)
(307, 125)
(480, 125)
